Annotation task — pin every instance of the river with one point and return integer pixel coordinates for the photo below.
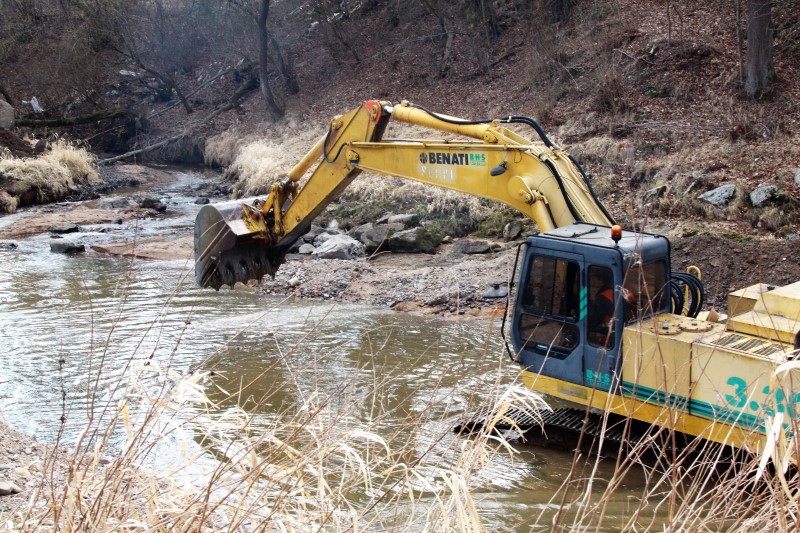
(75, 328)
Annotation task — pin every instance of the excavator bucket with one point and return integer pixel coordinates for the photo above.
(227, 251)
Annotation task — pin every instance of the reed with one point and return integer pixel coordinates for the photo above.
(178, 452)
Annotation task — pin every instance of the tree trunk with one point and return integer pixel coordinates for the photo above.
(447, 30)
(559, 10)
(285, 66)
(760, 69)
(275, 109)
(738, 9)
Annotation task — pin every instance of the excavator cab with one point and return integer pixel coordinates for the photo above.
(578, 288)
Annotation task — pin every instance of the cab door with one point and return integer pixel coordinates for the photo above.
(547, 330)
(603, 324)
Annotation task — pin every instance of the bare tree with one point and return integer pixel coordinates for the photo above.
(559, 9)
(331, 14)
(438, 10)
(760, 68)
(275, 107)
(487, 18)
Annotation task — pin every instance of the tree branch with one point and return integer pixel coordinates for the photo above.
(249, 85)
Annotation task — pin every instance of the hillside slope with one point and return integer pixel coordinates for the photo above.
(645, 96)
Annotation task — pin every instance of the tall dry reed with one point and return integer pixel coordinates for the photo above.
(46, 178)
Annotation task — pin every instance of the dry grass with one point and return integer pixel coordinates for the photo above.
(258, 164)
(190, 463)
(47, 178)
(313, 469)
(221, 150)
(603, 152)
(168, 455)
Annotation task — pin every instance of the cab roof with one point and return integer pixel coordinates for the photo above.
(646, 245)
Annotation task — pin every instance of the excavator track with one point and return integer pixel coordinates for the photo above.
(560, 427)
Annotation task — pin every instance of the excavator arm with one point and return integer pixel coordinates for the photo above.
(247, 239)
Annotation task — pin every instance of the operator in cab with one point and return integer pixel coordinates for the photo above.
(601, 311)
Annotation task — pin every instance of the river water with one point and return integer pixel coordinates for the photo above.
(64, 318)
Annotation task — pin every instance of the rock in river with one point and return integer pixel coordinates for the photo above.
(66, 247)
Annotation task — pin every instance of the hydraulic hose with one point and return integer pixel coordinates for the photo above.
(680, 281)
(513, 119)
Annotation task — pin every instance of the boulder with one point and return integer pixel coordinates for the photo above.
(719, 197)
(414, 240)
(202, 201)
(436, 300)
(339, 247)
(118, 203)
(6, 115)
(407, 220)
(375, 237)
(765, 194)
(69, 228)
(511, 231)
(6, 246)
(7, 488)
(306, 249)
(325, 236)
(224, 190)
(652, 194)
(66, 247)
(312, 233)
(796, 176)
(358, 231)
(467, 246)
(148, 202)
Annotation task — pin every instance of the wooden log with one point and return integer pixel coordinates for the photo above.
(82, 119)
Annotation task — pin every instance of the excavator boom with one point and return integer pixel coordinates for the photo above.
(247, 239)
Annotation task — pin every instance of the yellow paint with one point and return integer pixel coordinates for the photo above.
(660, 415)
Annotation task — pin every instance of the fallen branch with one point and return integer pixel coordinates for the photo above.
(74, 121)
(248, 86)
(146, 149)
(194, 91)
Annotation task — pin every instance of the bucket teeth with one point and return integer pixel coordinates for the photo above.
(226, 252)
(242, 263)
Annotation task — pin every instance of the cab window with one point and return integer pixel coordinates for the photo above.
(645, 289)
(550, 301)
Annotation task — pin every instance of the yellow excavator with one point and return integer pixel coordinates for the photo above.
(599, 318)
